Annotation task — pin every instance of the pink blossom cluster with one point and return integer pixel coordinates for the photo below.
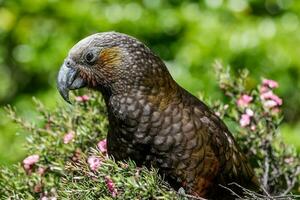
(270, 83)
(83, 98)
(269, 99)
(246, 118)
(29, 162)
(94, 163)
(102, 145)
(69, 137)
(111, 186)
(244, 101)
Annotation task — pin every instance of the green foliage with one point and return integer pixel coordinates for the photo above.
(130, 182)
(67, 173)
(88, 127)
(64, 170)
(277, 164)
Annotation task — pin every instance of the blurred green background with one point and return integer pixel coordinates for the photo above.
(261, 35)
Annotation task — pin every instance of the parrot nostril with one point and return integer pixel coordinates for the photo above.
(68, 63)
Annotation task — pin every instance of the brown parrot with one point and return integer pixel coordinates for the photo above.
(154, 121)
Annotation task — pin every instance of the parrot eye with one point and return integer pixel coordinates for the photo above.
(89, 57)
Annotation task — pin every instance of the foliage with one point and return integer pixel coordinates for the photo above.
(277, 164)
(66, 162)
(63, 162)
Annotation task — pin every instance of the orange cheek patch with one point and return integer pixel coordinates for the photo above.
(110, 57)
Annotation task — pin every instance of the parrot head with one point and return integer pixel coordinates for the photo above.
(109, 62)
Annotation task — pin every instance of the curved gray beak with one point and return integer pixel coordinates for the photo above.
(67, 80)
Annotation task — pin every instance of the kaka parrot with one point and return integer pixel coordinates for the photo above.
(153, 120)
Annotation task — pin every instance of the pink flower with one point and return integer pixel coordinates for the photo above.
(111, 186)
(244, 100)
(69, 137)
(94, 163)
(270, 83)
(270, 95)
(266, 95)
(102, 145)
(270, 104)
(277, 99)
(245, 120)
(30, 161)
(82, 98)
(41, 171)
(263, 89)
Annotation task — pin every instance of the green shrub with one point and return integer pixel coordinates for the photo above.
(66, 162)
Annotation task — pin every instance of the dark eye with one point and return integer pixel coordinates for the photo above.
(89, 57)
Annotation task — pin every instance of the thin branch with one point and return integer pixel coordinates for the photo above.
(182, 193)
(263, 197)
(246, 190)
(266, 172)
(291, 185)
(266, 192)
(235, 194)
